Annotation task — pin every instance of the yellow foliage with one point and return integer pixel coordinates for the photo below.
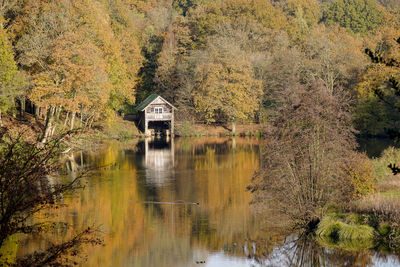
(225, 84)
(361, 174)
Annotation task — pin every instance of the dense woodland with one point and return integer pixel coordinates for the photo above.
(217, 61)
(311, 73)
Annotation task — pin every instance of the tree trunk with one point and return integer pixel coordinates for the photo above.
(49, 124)
(46, 114)
(91, 122)
(59, 108)
(53, 130)
(1, 121)
(72, 120)
(37, 112)
(66, 119)
(233, 127)
(23, 101)
(86, 124)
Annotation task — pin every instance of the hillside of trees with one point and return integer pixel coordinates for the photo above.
(217, 61)
(311, 73)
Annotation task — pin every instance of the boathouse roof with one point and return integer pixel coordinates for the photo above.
(150, 99)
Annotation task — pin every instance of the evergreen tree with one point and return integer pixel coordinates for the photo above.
(358, 16)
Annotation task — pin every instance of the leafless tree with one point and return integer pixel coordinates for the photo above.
(28, 186)
(303, 163)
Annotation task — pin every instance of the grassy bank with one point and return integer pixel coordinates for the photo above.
(121, 130)
(189, 129)
(370, 221)
(116, 130)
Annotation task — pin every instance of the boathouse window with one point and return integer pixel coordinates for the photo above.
(152, 110)
(158, 110)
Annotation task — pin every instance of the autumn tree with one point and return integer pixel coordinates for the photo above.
(224, 85)
(303, 15)
(157, 20)
(389, 3)
(307, 13)
(127, 59)
(76, 80)
(274, 61)
(333, 57)
(110, 28)
(34, 28)
(38, 29)
(176, 48)
(204, 19)
(378, 101)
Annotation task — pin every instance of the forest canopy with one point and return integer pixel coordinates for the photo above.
(217, 61)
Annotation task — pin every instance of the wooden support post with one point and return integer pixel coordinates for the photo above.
(146, 123)
(172, 124)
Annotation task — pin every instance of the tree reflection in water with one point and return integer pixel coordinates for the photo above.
(304, 250)
(222, 231)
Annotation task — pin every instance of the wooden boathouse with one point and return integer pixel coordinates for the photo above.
(156, 116)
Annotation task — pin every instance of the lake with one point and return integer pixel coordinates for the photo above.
(183, 202)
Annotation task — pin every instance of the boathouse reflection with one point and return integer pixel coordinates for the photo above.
(159, 160)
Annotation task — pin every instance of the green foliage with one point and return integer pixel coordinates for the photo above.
(371, 116)
(384, 229)
(8, 251)
(9, 75)
(147, 72)
(124, 58)
(119, 129)
(388, 156)
(184, 129)
(356, 232)
(306, 13)
(358, 16)
(183, 6)
(329, 227)
(334, 232)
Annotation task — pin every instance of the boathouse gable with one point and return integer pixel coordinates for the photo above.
(156, 115)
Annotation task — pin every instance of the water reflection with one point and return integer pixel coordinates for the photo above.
(221, 231)
(303, 250)
(159, 160)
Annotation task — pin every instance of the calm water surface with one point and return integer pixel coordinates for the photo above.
(220, 231)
